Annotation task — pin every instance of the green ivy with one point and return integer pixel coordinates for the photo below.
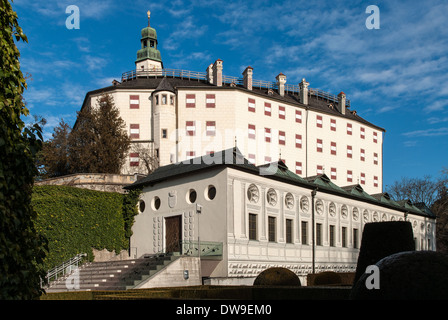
(76, 220)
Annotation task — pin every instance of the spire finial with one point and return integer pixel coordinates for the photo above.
(149, 16)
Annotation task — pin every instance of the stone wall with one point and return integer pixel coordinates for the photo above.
(93, 181)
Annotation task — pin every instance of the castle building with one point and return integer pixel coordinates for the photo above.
(251, 174)
(174, 115)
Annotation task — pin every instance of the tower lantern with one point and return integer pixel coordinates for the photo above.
(148, 57)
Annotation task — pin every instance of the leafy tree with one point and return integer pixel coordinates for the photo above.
(21, 249)
(99, 140)
(54, 155)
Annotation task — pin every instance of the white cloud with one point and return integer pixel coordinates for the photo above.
(428, 132)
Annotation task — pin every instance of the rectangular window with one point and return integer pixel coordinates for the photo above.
(267, 134)
(281, 138)
(318, 234)
(298, 141)
(349, 176)
(363, 178)
(271, 229)
(281, 112)
(289, 232)
(319, 145)
(375, 181)
(355, 238)
(332, 236)
(349, 129)
(164, 97)
(267, 109)
(251, 131)
(252, 226)
(320, 169)
(349, 152)
(298, 167)
(375, 158)
(210, 101)
(135, 131)
(251, 158)
(251, 105)
(134, 101)
(363, 155)
(134, 159)
(304, 231)
(344, 237)
(267, 159)
(333, 124)
(333, 174)
(375, 137)
(191, 101)
(298, 116)
(191, 128)
(210, 128)
(190, 154)
(319, 121)
(333, 148)
(164, 133)
(363, 133)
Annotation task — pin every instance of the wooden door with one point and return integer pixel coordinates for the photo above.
(173, 233)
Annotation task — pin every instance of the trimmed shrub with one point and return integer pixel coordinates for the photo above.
(327, 278)
(411, 275)
(76, 220)
(277, 277)
(381, 239)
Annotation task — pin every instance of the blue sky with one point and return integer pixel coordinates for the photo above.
(396, 77)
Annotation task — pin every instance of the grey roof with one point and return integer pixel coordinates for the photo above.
(277, 171)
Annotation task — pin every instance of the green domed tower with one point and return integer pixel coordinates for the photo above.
(148, 57)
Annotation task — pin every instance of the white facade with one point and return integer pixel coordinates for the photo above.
(313, 132)
(263, 221)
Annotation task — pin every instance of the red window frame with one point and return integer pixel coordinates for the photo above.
(320, 168)
(298, 116)
(375, 158)
(251, 105)
(267, 112)
(132, 105)
(375, 137)
(210, 97)
(349, 129)
(266, 132)
(333, 124)
(280, 140)
(251, 135)
(281, 112)
(298, 164)
(190, 133)
(190, 104)
(134, 163)
(349, 176)
(210, 124)
(349, 154)
(363, 178)
(333, 173)
(363, 133)
(319, 121)
(333, 148)
(321, 148)
(362, 155)
(375, 181)
(299, 144)
(134, 135)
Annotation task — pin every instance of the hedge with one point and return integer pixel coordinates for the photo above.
(76, 220)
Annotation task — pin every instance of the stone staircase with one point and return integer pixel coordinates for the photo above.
(113, 275)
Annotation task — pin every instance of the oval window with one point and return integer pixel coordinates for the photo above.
(156, 203)
(141, 205)
(211, 193)
(192, 195)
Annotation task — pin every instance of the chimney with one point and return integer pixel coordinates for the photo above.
(217, 73)
(303, 91)
(209, 73)
(281, 80)
(247, 78)
(341, 100)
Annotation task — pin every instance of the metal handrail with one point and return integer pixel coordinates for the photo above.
(187, 74)
(65, 268)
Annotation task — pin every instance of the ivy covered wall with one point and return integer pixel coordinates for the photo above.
(76, 220)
